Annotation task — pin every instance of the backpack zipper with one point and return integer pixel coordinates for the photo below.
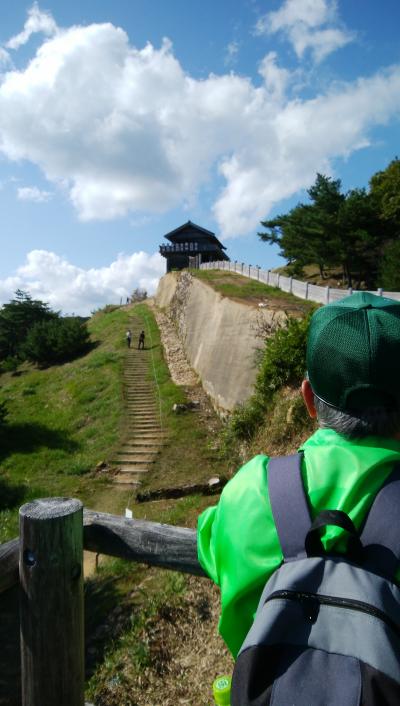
(312, 601)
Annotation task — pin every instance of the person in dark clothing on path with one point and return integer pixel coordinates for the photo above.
(128, 337)
(141, 340)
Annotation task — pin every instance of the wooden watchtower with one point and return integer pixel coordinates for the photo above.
(190, 245)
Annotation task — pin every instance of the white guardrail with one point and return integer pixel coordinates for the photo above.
(304, 290)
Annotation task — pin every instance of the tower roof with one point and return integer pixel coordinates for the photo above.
(197, 233)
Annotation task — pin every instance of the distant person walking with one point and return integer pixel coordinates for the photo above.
(128, 337)
(141, 340)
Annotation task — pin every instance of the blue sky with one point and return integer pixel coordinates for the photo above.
(119, 121)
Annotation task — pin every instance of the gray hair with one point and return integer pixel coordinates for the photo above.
(372, 421)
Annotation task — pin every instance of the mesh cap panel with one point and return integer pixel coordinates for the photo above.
(353, 352)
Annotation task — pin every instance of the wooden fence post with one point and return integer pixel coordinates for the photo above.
(51, 602)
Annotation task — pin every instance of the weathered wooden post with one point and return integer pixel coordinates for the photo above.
(51, 602)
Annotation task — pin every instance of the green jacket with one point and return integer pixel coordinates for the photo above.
(237, 541)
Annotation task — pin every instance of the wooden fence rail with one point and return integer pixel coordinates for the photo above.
(49, 554)
(135, 540)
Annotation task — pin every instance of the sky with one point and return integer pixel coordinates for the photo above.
(120, 121)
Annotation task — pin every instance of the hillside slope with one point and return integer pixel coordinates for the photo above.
(221, 319)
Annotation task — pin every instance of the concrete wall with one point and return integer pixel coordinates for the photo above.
(219, 336)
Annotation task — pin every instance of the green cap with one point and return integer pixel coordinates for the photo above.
(353, 352)
(222, 690)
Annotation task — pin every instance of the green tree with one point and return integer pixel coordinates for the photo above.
(309, 232)
(56, 340)
(16, 319)
(389, 271)
(335, 229)
(385, 188)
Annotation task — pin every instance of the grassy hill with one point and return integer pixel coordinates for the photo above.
(62, 421)
(150, 634)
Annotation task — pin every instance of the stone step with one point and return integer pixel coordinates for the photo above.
(140, 387)
(142, 424)
(131, 471)
(125, 481)
(144, 401)
(138, 426)
(141, 390)
(139, 429)
(137, 453)
(145, 413)
(141, 406)
(132, 439)
(134, 457)
(140, 449)
(148, 448)
(133, 461)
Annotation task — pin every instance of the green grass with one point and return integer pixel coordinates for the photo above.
(235, 286)
(61, 422)
(64, 420)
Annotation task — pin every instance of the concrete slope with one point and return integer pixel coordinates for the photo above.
(219, 336)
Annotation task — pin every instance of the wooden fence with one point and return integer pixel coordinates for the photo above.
(47, 561)
(304, 290)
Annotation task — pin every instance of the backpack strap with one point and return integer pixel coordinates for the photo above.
(289, 504)
(381, 533)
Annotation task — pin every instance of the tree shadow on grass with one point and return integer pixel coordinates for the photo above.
(88, 348)
(11, 494)
(10, 668)
(27, 437)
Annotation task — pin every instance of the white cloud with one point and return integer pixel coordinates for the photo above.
(5, 59)
(38, 21)
(304, 24)
(32, 193)
(53, 279)
(276, 79)
(231, 53)
(126, 130)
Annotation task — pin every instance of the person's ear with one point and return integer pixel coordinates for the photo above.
(308, 397)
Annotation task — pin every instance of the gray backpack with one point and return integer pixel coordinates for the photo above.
(327, 628)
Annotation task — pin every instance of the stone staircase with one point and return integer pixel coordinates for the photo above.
(144, 433)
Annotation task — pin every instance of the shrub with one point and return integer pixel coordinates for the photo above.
(3, 414)
(138, 295)
(284, 358)
(283, 363)
(244, 421)
(9, 365)
(56, 341)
